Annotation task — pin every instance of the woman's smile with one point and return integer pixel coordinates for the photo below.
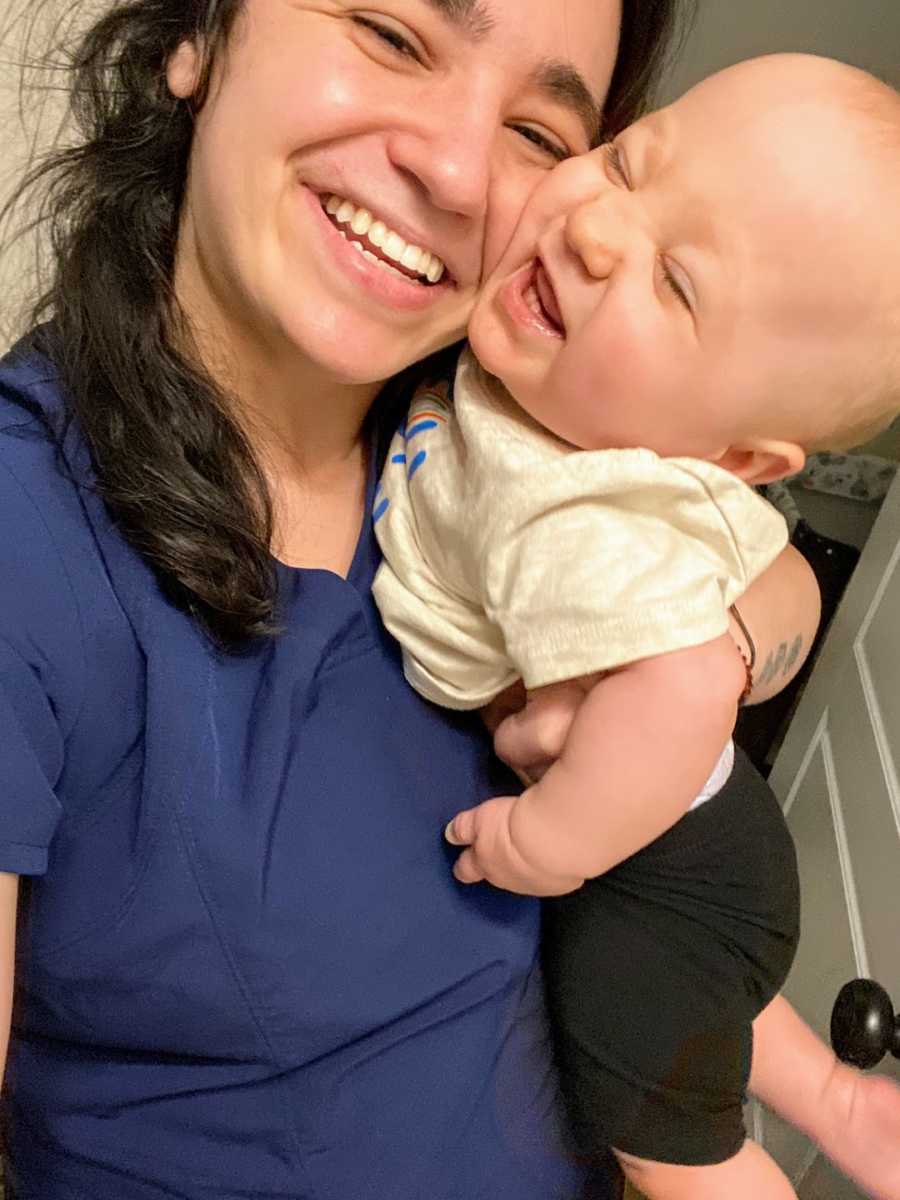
(382, 244)
(347, 233)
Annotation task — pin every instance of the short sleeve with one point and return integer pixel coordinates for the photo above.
(452, 654)
(31, 756)
(607, 568)
(41, 657)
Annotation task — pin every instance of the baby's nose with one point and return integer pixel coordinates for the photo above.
(591, 234)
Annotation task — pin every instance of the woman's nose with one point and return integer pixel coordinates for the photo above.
(450, 157)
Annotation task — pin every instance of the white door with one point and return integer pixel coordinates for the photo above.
(837, 778)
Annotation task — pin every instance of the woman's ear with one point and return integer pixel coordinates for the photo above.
(183, 71)
(761, 460)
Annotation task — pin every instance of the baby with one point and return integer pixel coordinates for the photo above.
(679, 315)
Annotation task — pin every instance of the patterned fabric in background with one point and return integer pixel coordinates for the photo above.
(863, 477)
(856, 476)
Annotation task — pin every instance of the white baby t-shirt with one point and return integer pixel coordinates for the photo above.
(508, 552)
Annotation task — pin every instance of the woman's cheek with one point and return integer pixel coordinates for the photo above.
(510, 191)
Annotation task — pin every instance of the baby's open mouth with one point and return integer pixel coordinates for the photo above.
(541, 299)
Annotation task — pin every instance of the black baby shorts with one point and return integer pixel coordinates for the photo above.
(656, 970)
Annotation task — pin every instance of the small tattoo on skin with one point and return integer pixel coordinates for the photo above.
(766, 673)
(793, 654)
(780, 658)
(783, 660)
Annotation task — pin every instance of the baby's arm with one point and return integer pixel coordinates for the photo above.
(780, 612)
(641, 746)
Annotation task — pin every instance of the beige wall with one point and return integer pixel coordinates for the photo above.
(863, 32)
(29, 121)
(13, 142)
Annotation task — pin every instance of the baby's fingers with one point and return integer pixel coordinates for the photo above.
(466, 868)
(461, 830)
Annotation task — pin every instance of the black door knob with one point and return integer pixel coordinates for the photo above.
(863, 1025)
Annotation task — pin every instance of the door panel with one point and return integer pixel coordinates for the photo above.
(836, 775)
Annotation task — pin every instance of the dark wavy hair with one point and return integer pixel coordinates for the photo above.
(172, 464)
(652, 33)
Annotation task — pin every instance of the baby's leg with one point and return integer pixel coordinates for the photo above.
(749, 1175)
(651, 1004)
(853, 1117)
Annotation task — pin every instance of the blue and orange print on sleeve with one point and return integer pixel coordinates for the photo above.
(429, 410)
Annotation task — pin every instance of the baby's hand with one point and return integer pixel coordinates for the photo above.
(529, 735)
(491, 853)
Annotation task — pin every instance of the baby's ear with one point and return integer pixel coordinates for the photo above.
(761, 460)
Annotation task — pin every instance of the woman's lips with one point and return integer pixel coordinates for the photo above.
(388, 288)
(530, 301)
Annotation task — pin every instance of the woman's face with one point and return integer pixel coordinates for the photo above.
(427, 121)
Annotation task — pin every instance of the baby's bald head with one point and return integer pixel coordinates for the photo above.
(844, 125)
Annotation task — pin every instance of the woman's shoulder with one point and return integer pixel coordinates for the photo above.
(32, 414)
(46, 547)
(43, 465)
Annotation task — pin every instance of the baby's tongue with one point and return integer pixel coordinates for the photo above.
(548, 297)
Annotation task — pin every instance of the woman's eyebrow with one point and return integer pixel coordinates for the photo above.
(565, 84)
(558, 78)
(471, 17)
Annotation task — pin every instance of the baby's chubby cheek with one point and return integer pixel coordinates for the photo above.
(481, 323)
(577, 400)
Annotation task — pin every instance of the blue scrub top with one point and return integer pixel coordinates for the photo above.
(244, 967)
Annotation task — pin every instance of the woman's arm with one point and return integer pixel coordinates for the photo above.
(9, 893)
(780, 611)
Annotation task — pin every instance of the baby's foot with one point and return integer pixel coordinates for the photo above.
(863, 1139)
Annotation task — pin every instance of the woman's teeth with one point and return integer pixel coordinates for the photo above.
(359, 221)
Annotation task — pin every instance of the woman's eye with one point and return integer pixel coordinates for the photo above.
(616, 163)
(390, 36)
(554, 149)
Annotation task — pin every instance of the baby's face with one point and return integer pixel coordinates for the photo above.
(667, 290)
